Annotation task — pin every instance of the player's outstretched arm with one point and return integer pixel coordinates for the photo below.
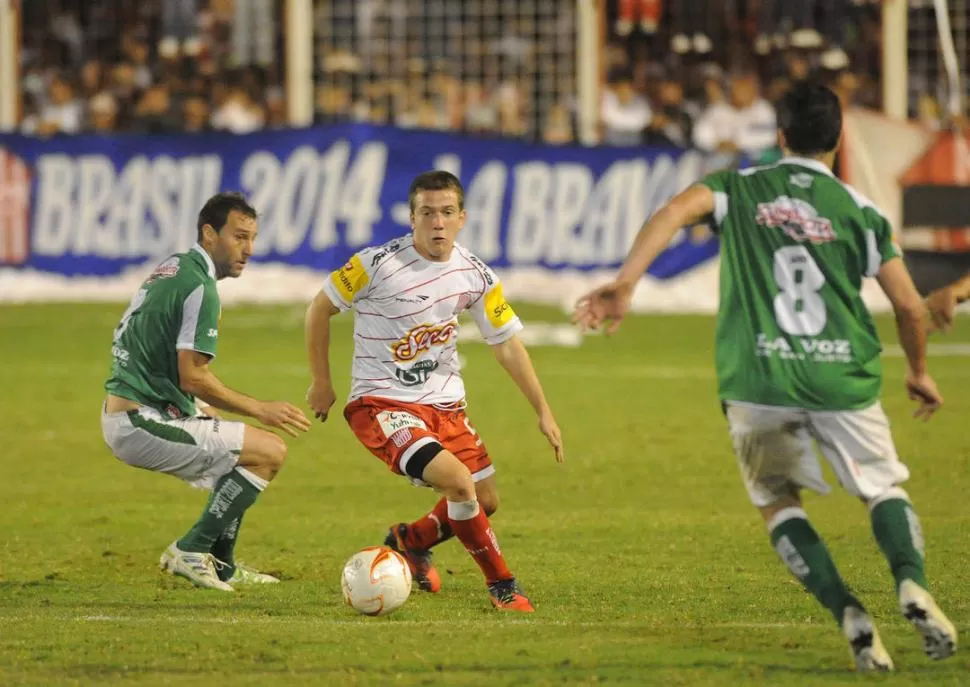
(197, 379)
(942, 303)
(513, 356)
(910, 311)
(320, 396)
(609, 303)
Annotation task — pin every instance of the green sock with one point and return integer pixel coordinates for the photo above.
(801, 549)
(224, 547)
(897, 529)
(233, 494)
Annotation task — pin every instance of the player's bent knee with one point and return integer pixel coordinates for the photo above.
(277, 453)
(263, 452)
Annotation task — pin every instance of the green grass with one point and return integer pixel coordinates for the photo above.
(645, 561)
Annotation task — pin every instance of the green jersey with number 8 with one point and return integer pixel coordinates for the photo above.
(792, 327)
(177, 307)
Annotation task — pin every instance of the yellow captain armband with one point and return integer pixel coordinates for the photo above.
(350, 279)
(497, 309)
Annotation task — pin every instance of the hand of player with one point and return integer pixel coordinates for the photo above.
(608, 305)
(283, 415)
(941, 304)
(548, 426)
(923, 389)
(320, 398)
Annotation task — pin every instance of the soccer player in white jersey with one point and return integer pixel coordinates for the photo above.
(407, 402)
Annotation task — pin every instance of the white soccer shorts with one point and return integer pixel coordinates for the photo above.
(198, 450)
(775, 447)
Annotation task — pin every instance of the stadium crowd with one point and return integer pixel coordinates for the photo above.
(698, 73)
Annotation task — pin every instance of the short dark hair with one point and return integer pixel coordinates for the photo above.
(216, 210)
(810, 117)
(436, 180)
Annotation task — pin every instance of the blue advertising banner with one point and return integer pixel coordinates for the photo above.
(94, 205)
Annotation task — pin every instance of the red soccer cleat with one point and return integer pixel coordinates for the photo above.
(506, 596)
(419, 560)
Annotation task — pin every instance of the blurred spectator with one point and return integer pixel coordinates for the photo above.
(558, 129)
(624, 114)
(195, 115)
(137, 54)
(254, 32)
(481, 116)
(63, 113)
(180, 29)
(671, 123)
(333, 103)
(103, 113)
(240, 113)
(92, 78)
(784, 23)
(154, 113)
(745, 123)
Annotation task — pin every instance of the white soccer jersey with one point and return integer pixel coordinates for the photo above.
(406, 319)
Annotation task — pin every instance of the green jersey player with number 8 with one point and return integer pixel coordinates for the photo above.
(798, 356)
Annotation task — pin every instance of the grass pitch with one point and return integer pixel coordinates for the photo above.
(644, 559)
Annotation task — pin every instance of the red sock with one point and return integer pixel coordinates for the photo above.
(478, 538)
(431, 529)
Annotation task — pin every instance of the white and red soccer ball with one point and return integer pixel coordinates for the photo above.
(376, 581)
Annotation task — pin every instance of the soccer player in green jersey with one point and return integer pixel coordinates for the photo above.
(798, 356)
(150, 419)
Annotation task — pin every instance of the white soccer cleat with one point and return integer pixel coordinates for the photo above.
(197, 568)
(917, 606)
(246, 575)
(864, 642)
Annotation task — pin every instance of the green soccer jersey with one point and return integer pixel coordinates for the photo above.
(176, 308)
(792, 328)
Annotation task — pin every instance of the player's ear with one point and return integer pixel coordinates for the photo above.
(781, 139)
(209, 232)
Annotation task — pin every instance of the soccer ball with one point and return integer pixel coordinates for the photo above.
(376, 581)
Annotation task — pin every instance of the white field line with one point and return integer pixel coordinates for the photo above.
(362, 622)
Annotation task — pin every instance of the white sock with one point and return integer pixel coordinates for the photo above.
(252, 478)
(462, 510)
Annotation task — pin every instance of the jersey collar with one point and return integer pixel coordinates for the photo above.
(807, 162)
(210, 266)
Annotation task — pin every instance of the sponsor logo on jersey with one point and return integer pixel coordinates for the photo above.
(350, 278)
(411, 299)
(796, 218)
(422, 338)
(166, 270)
(121, 355)
(393, 421)
(14, 209)
(486, 272)
(801, 180)
(497, 309)
(388, 249)
(417, 374)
